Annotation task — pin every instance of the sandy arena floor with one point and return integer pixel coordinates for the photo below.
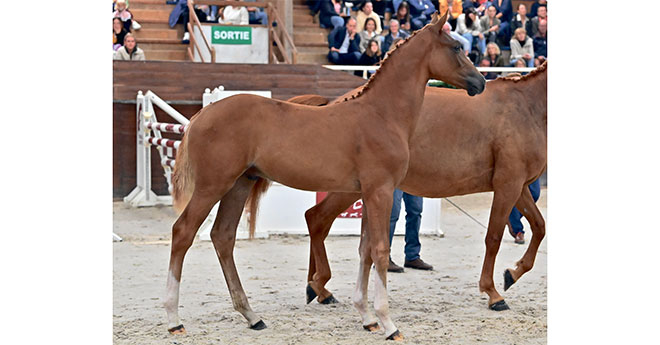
(443, 306)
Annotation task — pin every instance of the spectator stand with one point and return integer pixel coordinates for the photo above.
(502, 70)
(276, 51)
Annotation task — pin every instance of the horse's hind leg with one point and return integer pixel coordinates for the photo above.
(504, 198)
(528, 208)
(183, 234)
(223, 236)
(319, 220)
(369, 323)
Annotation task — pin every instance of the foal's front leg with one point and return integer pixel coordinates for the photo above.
(369, 323)
(379, 205)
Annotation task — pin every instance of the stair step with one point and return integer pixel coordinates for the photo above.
(312, 44)
(147, 46)
(312, 49)
(149, 5)
(302, 18)
(151, 14)
(312, 58)
(166, 55)
(309, 37)
(148, 34)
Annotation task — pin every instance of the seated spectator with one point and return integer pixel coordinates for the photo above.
(371, 56)
(542, 15)
(234, 15)
(367, 11)
(332, 13)
(257, 15)
(533, 11)
(469, 27)
(394, 34)
(118, 33)
(455, 8)
(380, 7)
(122, 12)
(403, 16)
(369, 33)
(344, 43)
(180, 15)
(494, 56)
(522, 48)
(488, 75)
(479, 5)
(541, 44)
(504, 14)
(130, 50)
(466, 44)
(521, 20)
(420, 12)
(490, 24)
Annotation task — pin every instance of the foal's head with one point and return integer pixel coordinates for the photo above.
(447, 60)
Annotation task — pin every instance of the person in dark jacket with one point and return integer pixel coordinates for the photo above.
(394, 34)
(505, 14)
(520, 20)
(371, 56)
(332, 13)
(540, 42)
(420, 11)
(344, 44)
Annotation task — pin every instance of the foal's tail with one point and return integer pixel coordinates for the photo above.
(183, 180)
(252, 204)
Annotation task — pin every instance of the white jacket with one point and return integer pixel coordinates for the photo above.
(461, 28)
(233, 15)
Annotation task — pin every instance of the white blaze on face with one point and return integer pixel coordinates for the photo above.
(172, 301)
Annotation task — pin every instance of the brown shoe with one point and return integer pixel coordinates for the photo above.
(520, 238)
(394, 267)
(418, 264)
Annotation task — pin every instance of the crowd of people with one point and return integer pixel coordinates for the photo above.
(123, 42)
(493, 33)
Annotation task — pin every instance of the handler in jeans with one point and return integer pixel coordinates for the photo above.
(413, 223)
(515, 226)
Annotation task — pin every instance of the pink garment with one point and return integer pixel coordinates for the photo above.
(123, 15)
(338, 7)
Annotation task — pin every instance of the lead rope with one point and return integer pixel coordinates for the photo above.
(467, 214)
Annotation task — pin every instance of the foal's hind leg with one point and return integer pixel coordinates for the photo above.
(183, 234)
(319, 220)
(223, 236)
(360, 296)
(504, 198)
(528, 208)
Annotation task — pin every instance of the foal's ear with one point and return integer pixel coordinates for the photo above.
(439, 22)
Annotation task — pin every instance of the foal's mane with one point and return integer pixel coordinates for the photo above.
(518, 78)
(383, 63)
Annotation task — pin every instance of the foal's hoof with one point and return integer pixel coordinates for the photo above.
(372, 327)
(499, 306)
(397, 336)
(329, 300)
(258, 326)
(177, 330)
(508, 279)
(310, 294)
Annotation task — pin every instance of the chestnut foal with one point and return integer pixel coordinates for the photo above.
(357, 146)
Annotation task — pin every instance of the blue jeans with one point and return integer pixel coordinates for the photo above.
(529, 63)
(258, 17)
(337, 21)
(514, 217)
(482, 42)
(414, 205)
(344, 59)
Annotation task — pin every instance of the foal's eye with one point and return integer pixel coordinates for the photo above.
(457, 49)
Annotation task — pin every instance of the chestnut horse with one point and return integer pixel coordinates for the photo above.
(357, 146)
(496, 141)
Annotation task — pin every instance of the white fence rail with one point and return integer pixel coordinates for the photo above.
(366, 69)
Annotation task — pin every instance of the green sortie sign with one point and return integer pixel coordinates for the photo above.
(231, 35)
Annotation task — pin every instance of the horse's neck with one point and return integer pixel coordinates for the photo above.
(398, 87)
(534, 92)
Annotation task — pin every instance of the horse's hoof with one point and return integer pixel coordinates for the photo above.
(177, 330)
(329, 300)
(372, 327)
(499, 306)
(397, 336)
(508, 279)
(310, 294)
(258, 326)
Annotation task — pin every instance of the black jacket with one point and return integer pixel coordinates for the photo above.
(336, 38)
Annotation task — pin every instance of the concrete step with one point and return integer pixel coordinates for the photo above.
(166, 55)
(151, 14)
(146, 46)
(313, 49)
(310, 29)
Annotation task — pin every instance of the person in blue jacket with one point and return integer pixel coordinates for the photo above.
(344, 44)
